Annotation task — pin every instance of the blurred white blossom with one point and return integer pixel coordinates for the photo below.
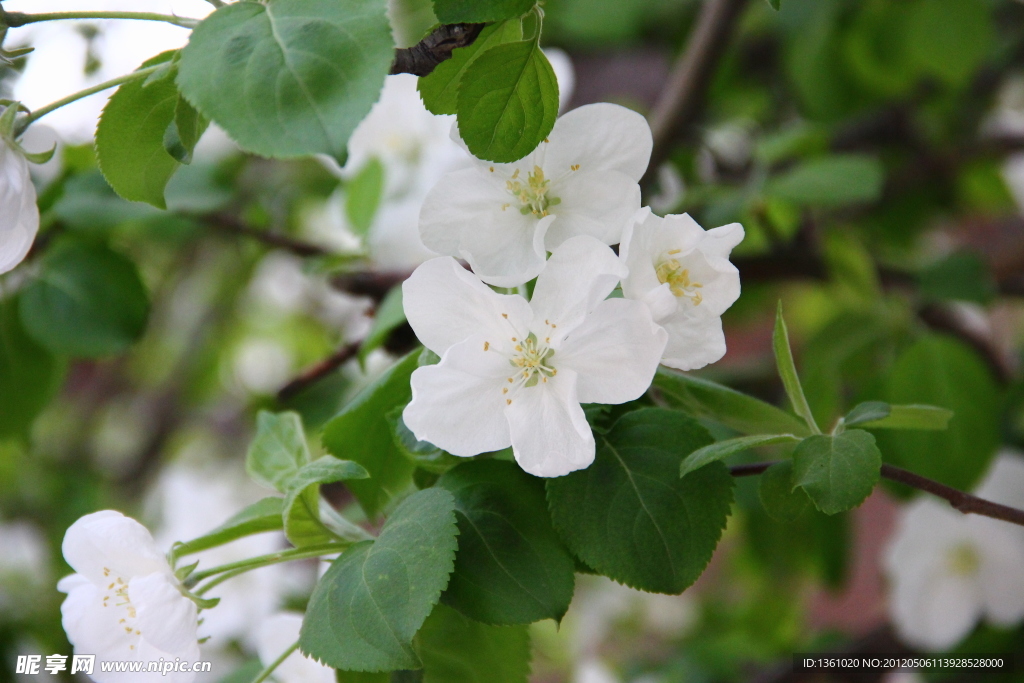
(278, 633)
(19, 215)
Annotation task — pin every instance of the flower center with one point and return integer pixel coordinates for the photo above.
(534, 359)
(116, 597)
(532, 194)
(670, 271)
(964, 560)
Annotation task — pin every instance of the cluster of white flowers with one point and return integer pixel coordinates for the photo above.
(124, 602)
(948, 570)
(515, 372)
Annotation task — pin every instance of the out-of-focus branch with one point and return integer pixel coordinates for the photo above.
(423, 57)
(232, 225)
(372, 283)
(676, 109)
(318, 372)
(964, 502)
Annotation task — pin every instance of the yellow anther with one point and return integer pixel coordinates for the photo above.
(487, 346)
(678, 280)
(575, 167)
(505, 316)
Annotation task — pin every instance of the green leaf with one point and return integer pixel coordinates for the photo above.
(390, 314)
(86, 301)
(183, 133)
(837, 472)
(508, 101)
(941, 371)
(834, 180)
(723, 449)
(361, 433)
(631, 517)
(363, 677)
(29, 374)
(511, 567)
(303, 523)
(363, 194)
(962, 276)
(912, 417)
(775, 4)
(869, 411)
(706, 399)
(781, 501)
(455, 649)
(245, 674)
(130, 138)
(422, 454)
(440, 90)
(787, 371)
(278, 451)
(480, 11)
(290, 77)
(263, 515)
(950, 38)
(369, 605)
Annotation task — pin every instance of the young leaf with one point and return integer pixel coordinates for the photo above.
(86, 301)
(479, 11)
(511, 567)
(184, 131)
(631, 517)
(130, 138)
(455, 649)
(723, 449)
(508, 101)
(781, 501)
(278, 451)
(369, 605)
(869, 411)
(303, 524)
(390, 314)
(775, 4)
(837, 472)
(706, 399)
(912, 417)
(361, 433)
(422, 454)
(440, 90)
(363, 194)
(263, 515)
(290, 77)
(835, 180)
(29, 374)
(787, 371)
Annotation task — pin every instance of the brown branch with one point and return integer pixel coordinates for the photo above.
(964, 502)
(234, 226)
(421, 59)
(676, 109)
(372, 283)
(318, 372)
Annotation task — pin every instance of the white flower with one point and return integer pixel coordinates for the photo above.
(514, 372)
(19, 215)
(124, 603)
(503, 218)
(947, 570)
(277, 634)
(683, 274)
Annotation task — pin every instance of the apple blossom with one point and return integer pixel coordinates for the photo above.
(683, 274)
(280, 632)
(514, 372)
(947, 570)
(582, 180)
(124, 603)
(19, 215)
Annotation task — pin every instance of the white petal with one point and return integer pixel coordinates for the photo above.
(276, 635)
(615, 352)
(167, 618)
(90, 627)
(1004, 482)
(1001, 570)
(19, 215)
(694, 340)
(577, 277)
(461, 201)
(550, 433)
(507, 253)
(108, 543)
(720, 242)
(600, 137)
(458, 404)
(596, 203)
(446, 304)
(939, 613)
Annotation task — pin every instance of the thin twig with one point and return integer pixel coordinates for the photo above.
(16, 19)
(422, 58)
(676, 109)
(232, 225)
(318, 372)
(964, 502)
